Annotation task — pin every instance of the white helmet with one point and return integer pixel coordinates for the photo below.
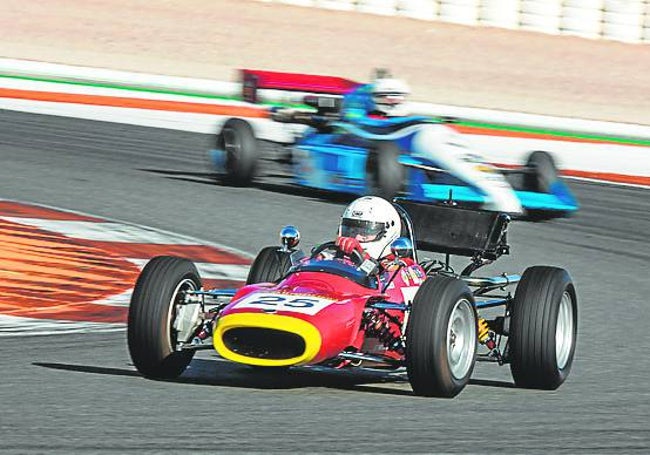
(374, 222)
(389, 95)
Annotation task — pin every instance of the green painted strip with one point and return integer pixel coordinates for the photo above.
(558, 134)
(485, 125)
(142, 89)
(117, 87)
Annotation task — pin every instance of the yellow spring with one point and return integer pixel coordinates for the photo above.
(483, 330)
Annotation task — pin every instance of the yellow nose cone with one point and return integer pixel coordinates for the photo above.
(266, 339)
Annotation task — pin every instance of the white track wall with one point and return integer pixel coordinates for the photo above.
(620, 20)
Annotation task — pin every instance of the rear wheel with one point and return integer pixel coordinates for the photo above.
(543, 328)
(384, 174)
(543, 172)
(238, 141)
(270, 265)
(155, 305)
(441, 338)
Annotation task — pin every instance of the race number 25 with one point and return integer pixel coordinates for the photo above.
(281, 302)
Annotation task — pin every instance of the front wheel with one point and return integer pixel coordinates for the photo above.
(542, 172)
(441, 338)
(543, 328)
(269, 266)
(384, 174)
(155, 305)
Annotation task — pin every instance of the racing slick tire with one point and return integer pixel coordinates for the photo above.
(441, 337)
(543, 172)
(543, 328)
(270, 265)
(242, 149)
(384, 174)
(150, 328)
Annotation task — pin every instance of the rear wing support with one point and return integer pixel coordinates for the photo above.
(449, 229)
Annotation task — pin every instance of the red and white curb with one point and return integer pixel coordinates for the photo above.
(63, 272)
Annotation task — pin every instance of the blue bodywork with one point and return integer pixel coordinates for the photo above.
(335, 158)
(333, 162)
(337, 161)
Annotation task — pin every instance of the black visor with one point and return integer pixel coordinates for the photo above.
(364, 231)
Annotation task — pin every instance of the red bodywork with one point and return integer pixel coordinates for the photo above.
(332, 304)
(254, 80)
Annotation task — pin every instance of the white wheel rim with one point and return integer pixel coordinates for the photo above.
(461, 339)
(564, 331)
(185, 285)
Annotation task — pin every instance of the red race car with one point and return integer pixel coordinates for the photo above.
(330, 309)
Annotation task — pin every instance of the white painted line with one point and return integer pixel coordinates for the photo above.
(181, 121)
(13, 326)
(196, 123)
(583, 156)
(103, 232)
(62, 87)
(98, 75)
(123, 299)
(211, 271)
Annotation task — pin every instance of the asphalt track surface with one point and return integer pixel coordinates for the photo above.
(80, 394)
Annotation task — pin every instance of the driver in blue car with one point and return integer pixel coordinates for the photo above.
(370, 105)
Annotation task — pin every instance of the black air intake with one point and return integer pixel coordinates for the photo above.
(263, 343)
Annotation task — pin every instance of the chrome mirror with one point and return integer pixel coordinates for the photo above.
(289, 237)
(402, 247)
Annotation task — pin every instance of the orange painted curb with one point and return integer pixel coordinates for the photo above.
(525, 135)
(138, 103)
(604, 176)
(47, 275)
(608, 177)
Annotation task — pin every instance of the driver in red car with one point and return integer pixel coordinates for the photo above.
(368, 227)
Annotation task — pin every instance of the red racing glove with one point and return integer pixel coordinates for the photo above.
(349, 245)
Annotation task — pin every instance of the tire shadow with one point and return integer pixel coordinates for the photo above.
(227, 374)
(272, 182)
(222, 373)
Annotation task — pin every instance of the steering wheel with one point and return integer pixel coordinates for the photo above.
(355, 256)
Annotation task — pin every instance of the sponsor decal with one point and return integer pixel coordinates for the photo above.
(412, 275)
(415, 277)
(291, 303)
(405, 275)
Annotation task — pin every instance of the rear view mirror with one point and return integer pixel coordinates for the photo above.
(289, 237)
(402, 247)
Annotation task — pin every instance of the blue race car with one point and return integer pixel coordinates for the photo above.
(340, 142)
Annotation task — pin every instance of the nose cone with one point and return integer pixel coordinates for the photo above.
(449, 150)
(264, 339)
